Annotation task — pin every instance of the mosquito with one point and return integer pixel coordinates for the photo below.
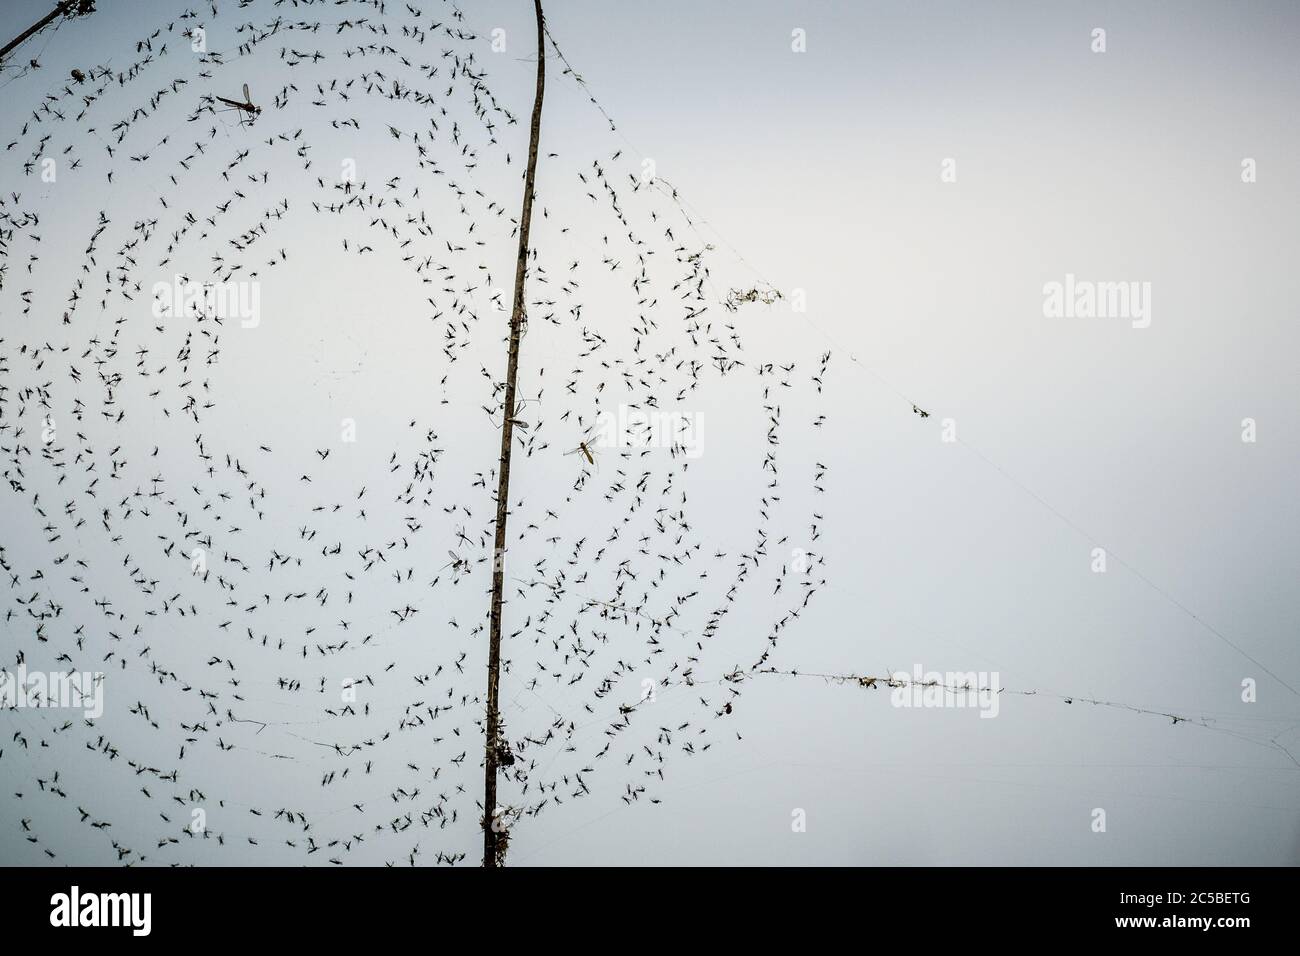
(457, 564)
(247, 107)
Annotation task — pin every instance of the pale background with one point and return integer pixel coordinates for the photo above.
(822, 170)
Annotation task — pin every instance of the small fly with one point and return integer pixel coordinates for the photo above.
(457, 564)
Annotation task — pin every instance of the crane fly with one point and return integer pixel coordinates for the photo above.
(587, 450)
(247, 107)
(515, 420)
(586, 445)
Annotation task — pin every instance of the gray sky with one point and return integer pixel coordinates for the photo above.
(822, 169)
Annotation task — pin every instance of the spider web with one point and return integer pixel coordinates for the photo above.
(266, 519)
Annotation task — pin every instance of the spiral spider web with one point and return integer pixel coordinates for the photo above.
(269, 526)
